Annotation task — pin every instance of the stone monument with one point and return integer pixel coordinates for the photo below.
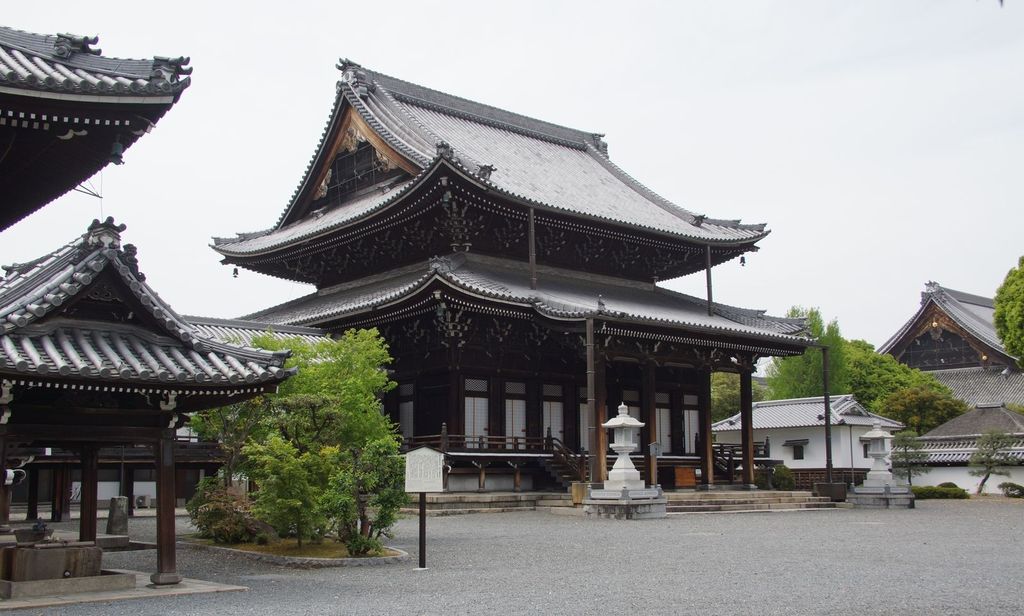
(624, 495)
(880, 490)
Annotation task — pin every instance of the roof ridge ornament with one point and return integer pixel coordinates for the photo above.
(484, 171)
(106, 233)
(354, 75)
(67, 44)
(170, 69)
(445, 150)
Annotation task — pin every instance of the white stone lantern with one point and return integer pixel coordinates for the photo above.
(626, 438)
(878, 449)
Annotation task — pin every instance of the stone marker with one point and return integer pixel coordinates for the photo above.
(117, 519)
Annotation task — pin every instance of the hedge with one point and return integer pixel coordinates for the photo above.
(922, 492)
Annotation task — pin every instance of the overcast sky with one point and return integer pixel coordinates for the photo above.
(882, 142)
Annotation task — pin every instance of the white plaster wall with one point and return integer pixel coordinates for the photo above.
(961, 477)
(845, 442)
(496, 483)
(107, 490)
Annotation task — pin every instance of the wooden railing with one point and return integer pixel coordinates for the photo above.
(728, 455)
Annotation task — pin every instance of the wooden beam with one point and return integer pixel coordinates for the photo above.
(649, 397)
(706, 449)
(166, 567)
(747, 426)
(90, 484)
(601, 416)
(32, 513)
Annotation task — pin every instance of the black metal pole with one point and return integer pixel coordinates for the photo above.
(828, 414)
(423, 530)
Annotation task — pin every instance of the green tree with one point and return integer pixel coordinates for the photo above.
(908, 456)
(725, 394)
(335, 399)
(922, 409)
(289, 487)
(233, 426)
(364, 494)
(801, 376)
(990, 454)
(1009, 313)
(874, 377)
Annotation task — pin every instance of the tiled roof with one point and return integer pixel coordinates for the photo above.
(67, 64)
(807, 412)
(544, 164)
(978, 385)
(237, 331)
(982, 419)
(973, 313)
(41, 336)
(957, 450)
(559, 294)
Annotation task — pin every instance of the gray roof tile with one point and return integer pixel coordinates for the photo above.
(67, 64)
(980, 386)
(973, 313)
(545, 164)
(982, 419)
(560, 294)
(807, 412)
(37, 339)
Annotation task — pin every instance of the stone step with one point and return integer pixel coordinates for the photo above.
(684, 510)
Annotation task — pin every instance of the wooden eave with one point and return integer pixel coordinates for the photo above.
(722, 250)
(933, 313)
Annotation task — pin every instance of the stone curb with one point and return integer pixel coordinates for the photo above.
(296, 562)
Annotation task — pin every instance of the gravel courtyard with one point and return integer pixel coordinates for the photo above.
(945, 557)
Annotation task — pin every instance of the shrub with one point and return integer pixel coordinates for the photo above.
(783, 478)
(222, 515)
(1012, 490)
(926, 492)
(947, 484)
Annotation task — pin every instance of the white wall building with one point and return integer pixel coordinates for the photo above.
(795, 431)
(951, 445)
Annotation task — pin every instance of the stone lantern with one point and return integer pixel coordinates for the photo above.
(878, 449)
(879, 490)
(624, 495)
(625, 441)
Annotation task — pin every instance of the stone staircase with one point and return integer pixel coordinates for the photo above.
(742, 501)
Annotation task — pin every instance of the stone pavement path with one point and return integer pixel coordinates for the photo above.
(953, 557)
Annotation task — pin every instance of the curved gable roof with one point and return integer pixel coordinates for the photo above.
(552, 166)
(972, 313)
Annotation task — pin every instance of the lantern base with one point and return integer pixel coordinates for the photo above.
(626, 504)
(885, 497)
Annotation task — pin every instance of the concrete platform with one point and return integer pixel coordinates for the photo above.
(142, 590)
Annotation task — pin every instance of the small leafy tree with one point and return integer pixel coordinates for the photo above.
(233, 426)
(991, 453)
(908, 456)
(801, 376)
(1009, 311)
(922, 409)
(725, 394)
(290, 485)
(364, 494)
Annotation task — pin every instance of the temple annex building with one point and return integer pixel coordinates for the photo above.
(512, 267)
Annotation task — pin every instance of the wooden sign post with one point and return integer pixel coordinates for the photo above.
(424, 472)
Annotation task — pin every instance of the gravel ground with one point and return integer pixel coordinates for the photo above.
(945, 557)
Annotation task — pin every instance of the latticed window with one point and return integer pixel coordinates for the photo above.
(944, 349)
(554, 421)
(515, 414)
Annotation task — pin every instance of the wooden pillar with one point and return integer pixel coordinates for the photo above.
(87, 519)
(32, 513)
(166, 568)
(706, 449)
(600, 417)
(60, 506)
(5, 490)
(129, 487)
(649, 397)
(747, 426)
